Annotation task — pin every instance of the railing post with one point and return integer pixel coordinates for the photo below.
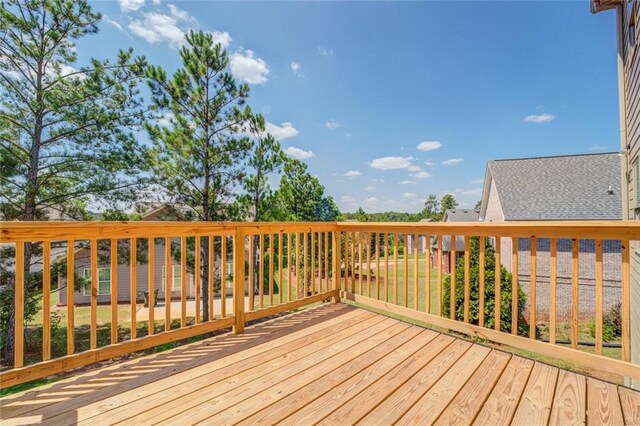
(336, 247)
(238, 279)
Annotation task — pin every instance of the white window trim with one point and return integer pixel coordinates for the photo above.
(87, 273)
(176, 279)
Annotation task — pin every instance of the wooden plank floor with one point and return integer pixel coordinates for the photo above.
(334, 364)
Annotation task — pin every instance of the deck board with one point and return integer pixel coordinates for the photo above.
(334, 364)
(603, 403)
(503, 401)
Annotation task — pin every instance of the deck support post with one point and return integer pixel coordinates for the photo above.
(238, 279)
(336, 236)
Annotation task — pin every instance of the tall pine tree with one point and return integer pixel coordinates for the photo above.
(198, 159)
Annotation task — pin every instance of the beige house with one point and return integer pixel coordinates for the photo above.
(569, 187)
(627, 16)
(82, 263)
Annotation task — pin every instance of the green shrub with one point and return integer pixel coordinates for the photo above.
(489, 291)
(611, 324)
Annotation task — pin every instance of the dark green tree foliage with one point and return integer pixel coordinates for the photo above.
(265, 160)
(198, 158)
(70, 138)
(65, 132)
(431, 205)
(448, 202)
(301, 192)
(474, 278)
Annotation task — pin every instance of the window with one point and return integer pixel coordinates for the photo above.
(104, 281)
(176, 277)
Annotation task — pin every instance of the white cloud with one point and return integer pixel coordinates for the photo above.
(179, 14)
(540, 118)
(597, 148)
(391, 163)
(325, 52)
(371, 200)
(113, 23)
(478, 180)
(281, 132)
(413, 168)
(429, 163)
(157, 27)
(246, 67)
(347, 199)
(453, 161)
(422, 175)
(295, 67)
(222, 37)
(408, 182)
(130, 5)
(468, 191)
(352, 173)
(377, 180)
(409, 195)
(297, 153)
(332, 124)
(370, 188)
(429, 145)
(348, 134)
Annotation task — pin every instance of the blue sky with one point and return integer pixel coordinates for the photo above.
(388, 102)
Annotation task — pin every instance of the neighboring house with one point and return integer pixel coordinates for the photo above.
(627, 14)
(570, 187)
(82, 265)
(422, 240)
(452, 215)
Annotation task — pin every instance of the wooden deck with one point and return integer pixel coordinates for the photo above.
(334, 364)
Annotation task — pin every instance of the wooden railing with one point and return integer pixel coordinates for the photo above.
(416, 284)
(222, 275)
(288, 266)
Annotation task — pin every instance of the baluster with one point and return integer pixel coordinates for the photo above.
(497, 284)
(467, 287)
(416, 271)
(151, 286)
(439, 290)
(93, 333)
(198, 278)
(553, 261)
(46, 300)
(575, 298)
(481, 283)
(18, 324)
(599, 297)
(452, 280)
(71, 338)
(427, 258)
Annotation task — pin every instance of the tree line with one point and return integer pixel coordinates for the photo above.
(434, 209)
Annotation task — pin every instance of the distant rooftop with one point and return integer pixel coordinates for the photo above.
(567, 187)
(461, 215)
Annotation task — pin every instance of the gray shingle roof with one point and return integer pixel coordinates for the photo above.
(572, 187)
(462, 215)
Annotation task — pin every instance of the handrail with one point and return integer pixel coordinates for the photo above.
(279, 266)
